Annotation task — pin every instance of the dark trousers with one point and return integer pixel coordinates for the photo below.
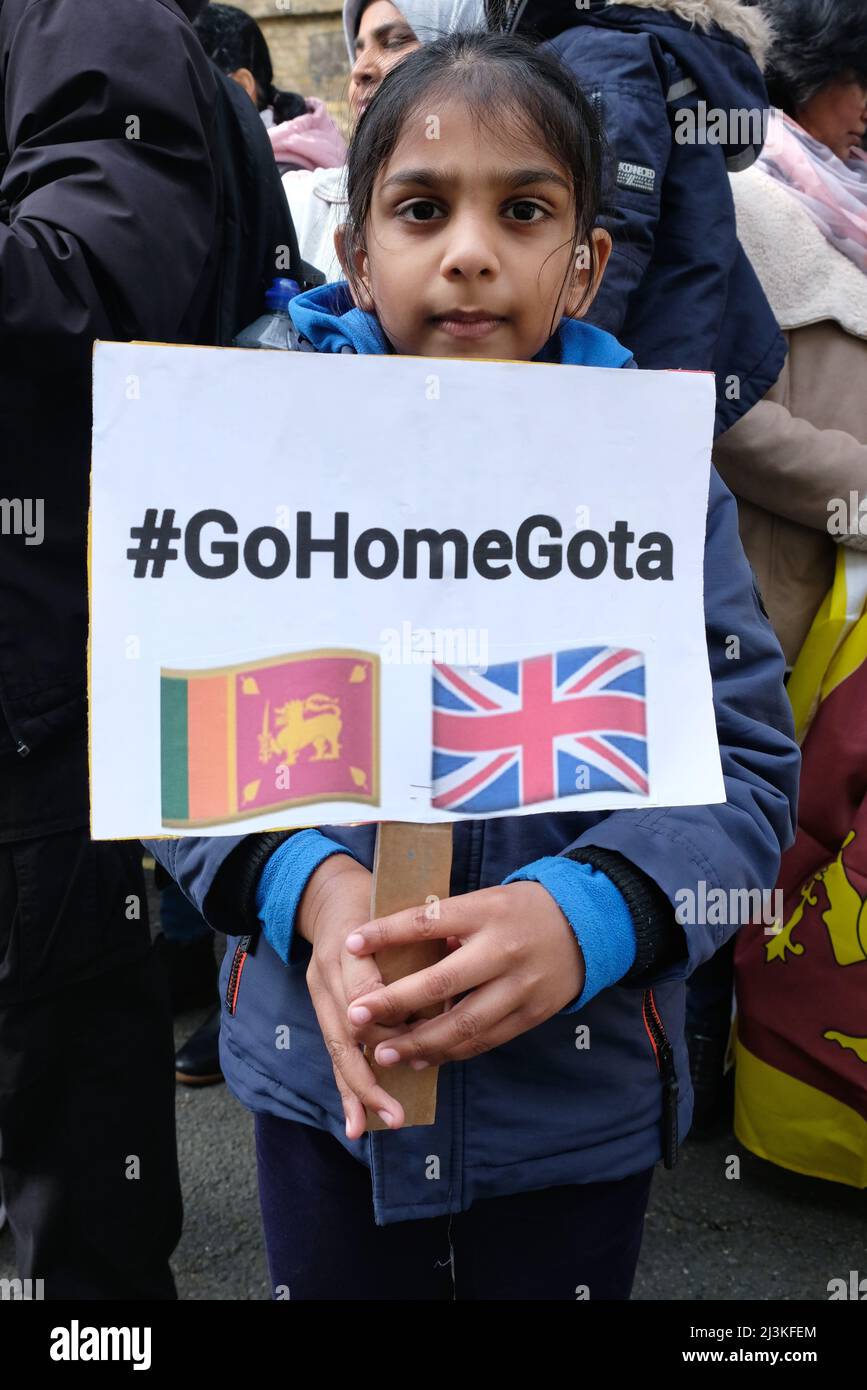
(323, 1244)
(88, 1163)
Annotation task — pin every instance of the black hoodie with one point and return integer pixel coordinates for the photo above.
(108, 217)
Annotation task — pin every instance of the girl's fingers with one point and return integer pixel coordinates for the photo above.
(455, 973)
(372, 1034)
(427, 922)
(350, 1066)
(361, 976)
(358, 1076)
(353, 1110)
(484, 1019)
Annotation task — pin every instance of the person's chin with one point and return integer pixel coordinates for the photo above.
(497, 343)
(468, 349)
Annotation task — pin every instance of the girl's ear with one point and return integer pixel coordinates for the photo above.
(585, 282)
(356, 268)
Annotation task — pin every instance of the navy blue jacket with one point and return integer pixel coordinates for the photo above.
(546, 1108)
(679, 290)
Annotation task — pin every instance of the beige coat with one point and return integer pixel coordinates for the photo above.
(805, 444)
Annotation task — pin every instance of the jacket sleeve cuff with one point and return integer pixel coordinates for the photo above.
(598, 914)
(660, 941)
(282, 882)
(230, 904)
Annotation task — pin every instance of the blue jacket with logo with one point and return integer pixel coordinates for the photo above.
(679, 290)
(587, 1096)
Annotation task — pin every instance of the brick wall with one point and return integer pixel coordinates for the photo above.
(307, 47)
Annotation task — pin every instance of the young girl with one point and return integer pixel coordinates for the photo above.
(533, 1182)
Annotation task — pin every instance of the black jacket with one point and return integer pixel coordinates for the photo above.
(110, 223)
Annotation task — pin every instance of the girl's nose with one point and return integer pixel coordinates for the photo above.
(470, 253)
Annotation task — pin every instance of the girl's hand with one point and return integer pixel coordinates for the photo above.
(519, 960)
(336, 901)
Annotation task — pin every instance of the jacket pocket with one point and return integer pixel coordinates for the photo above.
(664, 1055)
(239, 960)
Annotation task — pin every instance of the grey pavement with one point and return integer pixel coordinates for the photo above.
(766, 1235)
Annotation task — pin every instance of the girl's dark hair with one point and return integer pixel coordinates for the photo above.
(232, 40)
(816, 42)
(500, 78)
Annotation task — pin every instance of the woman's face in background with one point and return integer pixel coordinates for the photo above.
(837, 115)
(384, 39)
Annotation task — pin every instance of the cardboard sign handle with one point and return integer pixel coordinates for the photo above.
(412, 868)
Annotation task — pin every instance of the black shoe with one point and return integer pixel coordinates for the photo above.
(713, 1088)
(197, 1063)
(191, 970)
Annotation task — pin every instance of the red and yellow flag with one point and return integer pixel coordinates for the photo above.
(247, 740)
(801, 1048)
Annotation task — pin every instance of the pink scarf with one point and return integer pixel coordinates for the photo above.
(832, 191)
(311, 141)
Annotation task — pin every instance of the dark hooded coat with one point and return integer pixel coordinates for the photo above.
(109, 215)
(679, 290)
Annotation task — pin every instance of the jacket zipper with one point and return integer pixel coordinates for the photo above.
(21, 748)
(662, 1051)
(239, 960)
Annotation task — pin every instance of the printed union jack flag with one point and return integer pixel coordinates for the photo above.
(539, 729)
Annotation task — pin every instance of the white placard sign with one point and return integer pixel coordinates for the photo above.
(328, 589)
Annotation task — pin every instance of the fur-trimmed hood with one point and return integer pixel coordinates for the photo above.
(732, 18)
(744, 22)
(712, 47)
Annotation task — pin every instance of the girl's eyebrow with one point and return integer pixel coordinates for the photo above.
(512, 178)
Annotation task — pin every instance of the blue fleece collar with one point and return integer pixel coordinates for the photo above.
(328, 319)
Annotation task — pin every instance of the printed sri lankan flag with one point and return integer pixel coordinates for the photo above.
(801, 1033)
(242, 741)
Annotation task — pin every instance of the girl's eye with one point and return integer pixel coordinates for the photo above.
(525, 211)
(423, 210)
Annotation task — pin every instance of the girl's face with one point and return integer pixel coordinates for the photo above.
(837, 116)
(469, 241)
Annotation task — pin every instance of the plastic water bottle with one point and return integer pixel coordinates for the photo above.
(274, 329)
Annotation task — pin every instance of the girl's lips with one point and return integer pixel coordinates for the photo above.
(469, 328)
